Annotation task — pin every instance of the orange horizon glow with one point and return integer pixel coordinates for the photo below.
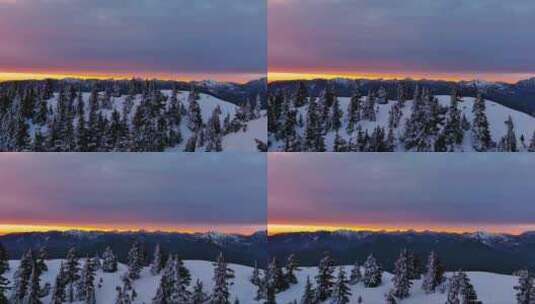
(511, 78)
(274, 229)
(40, 75)
(6, 229)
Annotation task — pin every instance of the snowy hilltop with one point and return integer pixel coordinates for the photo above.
(421, 122)
(119, 116)
(102, 279)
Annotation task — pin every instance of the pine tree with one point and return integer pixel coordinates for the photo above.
(353, 112)
(220, 292)
(156, 265)
(453, 290)
(72, 275)
(524, 288)
(531, 147)
(373, 274)
(401, 281)
(481, 137)
(21, 278)
(135, 261)
(179, 293)
(291, 267)
(255, 276)
(509, 140)
(434, 274)
(301, 95)
(390, 298)
(341, 292)
(336, 116)
(194, 111)
(325, 278)
(277, 278)
(58, 293)
(34, 288)
(453, 130)
(40, 260)
(467, 292)
(199, 296)
(109, 261)
(87, 283)
(356, 275)
(309, 293)
(4, 267)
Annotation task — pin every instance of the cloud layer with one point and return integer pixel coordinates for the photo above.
(134, 190)
(180, 36)
(477, 190)
(481, 36)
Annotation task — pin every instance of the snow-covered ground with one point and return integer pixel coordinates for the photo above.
(490, 288)
(147, 285)
(497, 114)
(240, 141)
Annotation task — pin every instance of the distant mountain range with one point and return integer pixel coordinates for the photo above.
(518, 96)
(239, 249)
(499, 253)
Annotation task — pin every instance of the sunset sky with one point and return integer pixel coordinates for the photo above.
(180, 39)
(449, 192)
(443, 39)
(128, 191)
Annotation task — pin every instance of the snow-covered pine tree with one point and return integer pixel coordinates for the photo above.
(314, 140)
(353, 112)
(277, 278)
(4, 267)
(109, 261)
(135, 261)
(156, 264)
(72, 275)
(336, 115)
(341, 292)
(220, 292)
(58, 292)
(509, 140)
(21, 278)
(308, 294)
(414, 267)
(434, 274)
(34, 288)
(453, 130)
(373, 274)
(40, 260)
(524, 288)
(481, 137)
(292, 265)
(301, 95)
(416, 136)
(467, 292)
(179, 292)
(531, 147)
(356, 274)
(325, 278)
(453, 290)
(400, 280)
(194, 111)
(163, 293)
(199, 296)
(255, 276)
(87, 283)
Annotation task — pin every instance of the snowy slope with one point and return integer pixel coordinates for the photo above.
(241, 141)
(497, 114)
(207, 103)
(147, 285)
(491, 289)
